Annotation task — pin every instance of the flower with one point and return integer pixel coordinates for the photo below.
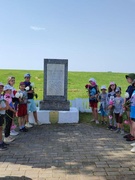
(126, 95)
(19, 95)
(27, 88)
(87, 86)
(32, 84)
(111, 102)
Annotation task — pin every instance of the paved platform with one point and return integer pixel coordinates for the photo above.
(68, 152)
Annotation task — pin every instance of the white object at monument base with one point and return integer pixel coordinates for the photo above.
(71, 116)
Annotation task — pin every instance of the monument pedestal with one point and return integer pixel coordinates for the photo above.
(52, 117)
(54, 105)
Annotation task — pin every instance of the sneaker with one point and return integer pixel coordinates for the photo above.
(97, 122)
(114, 128)
(13, 133)
(23, 130)
(131, 138)
(127, 136)
(8, 139)
(5, 144)
(28, 125)
(133, 144)
(2, 147)
(133, 150)
(102, 122)
(122, 132)
(93, 120)
(109, 127)
(38, 123)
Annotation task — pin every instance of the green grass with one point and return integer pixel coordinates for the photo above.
(76, 81)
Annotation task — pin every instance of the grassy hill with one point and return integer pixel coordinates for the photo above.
(76, 81)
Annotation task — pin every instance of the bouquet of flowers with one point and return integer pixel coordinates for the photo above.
(19, 95)
(32, 86)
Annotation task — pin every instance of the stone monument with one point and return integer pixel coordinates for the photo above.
(55, 85)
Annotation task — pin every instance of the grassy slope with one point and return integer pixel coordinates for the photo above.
(76, 80)
(76, 83)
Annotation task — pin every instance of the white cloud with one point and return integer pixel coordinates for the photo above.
(37, 28)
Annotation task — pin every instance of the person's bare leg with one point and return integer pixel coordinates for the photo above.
(35, 116)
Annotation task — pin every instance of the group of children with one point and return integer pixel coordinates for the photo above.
(113, 107)
(16, 104)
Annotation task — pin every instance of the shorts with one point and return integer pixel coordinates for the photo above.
(31, 105)
(118, 118)
(2, 119)
(22, 110)
(93, 104)
(132, 112)
(103, 113)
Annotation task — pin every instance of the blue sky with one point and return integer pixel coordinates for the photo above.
(94, 35)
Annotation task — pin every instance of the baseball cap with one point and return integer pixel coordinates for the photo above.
(131, 75)
(1, 84)
(27, 75)
(112, 83)
(22, 83)
(118, 89)
(92, 79)
(7, 87)
(103, 87)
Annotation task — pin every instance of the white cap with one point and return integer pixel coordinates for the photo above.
(92, 79)
(103, 87)
(7, 87)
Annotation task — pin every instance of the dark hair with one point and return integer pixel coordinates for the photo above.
(110, 89)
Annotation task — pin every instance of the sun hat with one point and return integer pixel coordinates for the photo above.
(112, 83)
(131, 75)
(103, 87)
(27, 75)
(92, 79)
(7, 87)
(1, 84)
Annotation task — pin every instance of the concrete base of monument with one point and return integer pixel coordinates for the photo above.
(52, 117)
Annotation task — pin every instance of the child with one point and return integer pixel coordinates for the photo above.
(130, 78)
(31, 104)
(22, 107)
(9, 113)
(93, 93)
(3, 108)
(111, 96)
(132, 115)
(118, 110)
(11, 82)
(103, 103)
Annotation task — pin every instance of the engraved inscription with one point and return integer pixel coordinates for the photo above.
(55, 80)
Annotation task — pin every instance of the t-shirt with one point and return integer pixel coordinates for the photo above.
(103, 100)
(118, 105)
(111, 97)
(28, 84)
(130, 90)
(92, 92)
(2, 104)
(133, 99)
